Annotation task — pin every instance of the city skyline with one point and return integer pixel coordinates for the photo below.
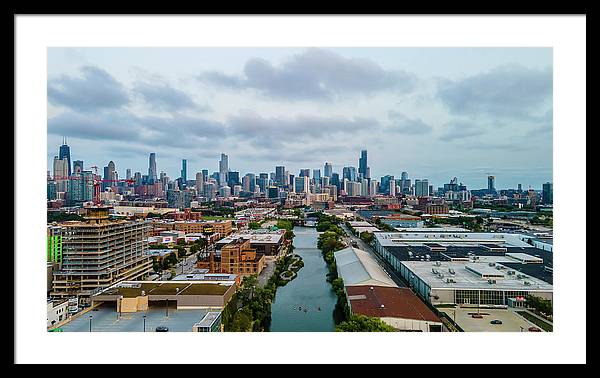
(465, 117)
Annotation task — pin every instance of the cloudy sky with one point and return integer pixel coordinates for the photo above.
(436, 113)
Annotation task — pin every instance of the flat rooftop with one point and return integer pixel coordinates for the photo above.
(132, 289)
(511, 321)
(105, 320)
(267, 237)
(388, 239)
(467, 279)
(205, 277)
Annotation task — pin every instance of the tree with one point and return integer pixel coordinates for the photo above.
(367, 237)
(254, 225)
(361, 323)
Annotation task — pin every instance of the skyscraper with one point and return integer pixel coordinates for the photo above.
(317, 175)
(60, 174)
(184, 171)
(349, 173)
(109, 175)
(305, 172)
(152, 177)
(422, 188)
(77, 167)
(362, 163)
(280, 175)
(491, 183)
(223, 169)
(547, 195)
(128, 174)
(328, 170)
(64, 152)
(199, 183)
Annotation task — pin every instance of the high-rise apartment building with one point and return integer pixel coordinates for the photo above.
(98, 252)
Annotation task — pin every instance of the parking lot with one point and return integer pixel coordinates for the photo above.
(511, 322)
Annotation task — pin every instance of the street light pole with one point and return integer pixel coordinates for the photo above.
(144, 323)
(91, 323)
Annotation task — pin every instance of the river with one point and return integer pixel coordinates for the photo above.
(310, 289)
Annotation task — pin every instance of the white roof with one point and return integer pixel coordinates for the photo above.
(469, 280)
(356, 267)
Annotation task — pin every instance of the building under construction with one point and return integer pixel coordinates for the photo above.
(98, 251)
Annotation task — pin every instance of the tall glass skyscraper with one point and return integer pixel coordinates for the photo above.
(328, 170)
(152, 177)
(64, 152)
(362, 164)
(184, 171)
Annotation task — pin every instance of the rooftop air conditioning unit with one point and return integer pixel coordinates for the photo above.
(526, 283)
(492, 264)
(437, 263)
(491, 281)
(451, 271)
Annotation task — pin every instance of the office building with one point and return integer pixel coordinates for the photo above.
(152, 174)
(421, 188)
(349, 173)
(233, 178)
(77, 167)
(547, 195)
(223, 169)
(328, 170)
(301, 184)
(184, 172)
(305, 172)
(362, 164)
(64, 152)
(280, 178)
(61, 174)
(491, 183)
(98, 251)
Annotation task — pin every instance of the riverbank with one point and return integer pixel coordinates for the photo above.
(249, 310)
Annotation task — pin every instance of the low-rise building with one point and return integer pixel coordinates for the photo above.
(238, 257)
(264, 241)
(57, 311)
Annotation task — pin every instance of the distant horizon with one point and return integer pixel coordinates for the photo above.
(436, 113)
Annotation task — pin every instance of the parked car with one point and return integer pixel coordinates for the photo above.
(496, 321)
(162, 329)
(534, 329)
(477, 316)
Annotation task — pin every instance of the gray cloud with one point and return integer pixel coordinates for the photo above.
(175, 131)
(315, 74)
(273, 131)
(461, 129)
(95, 90)
(511, 91)
(405, 125)
(162, 96)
